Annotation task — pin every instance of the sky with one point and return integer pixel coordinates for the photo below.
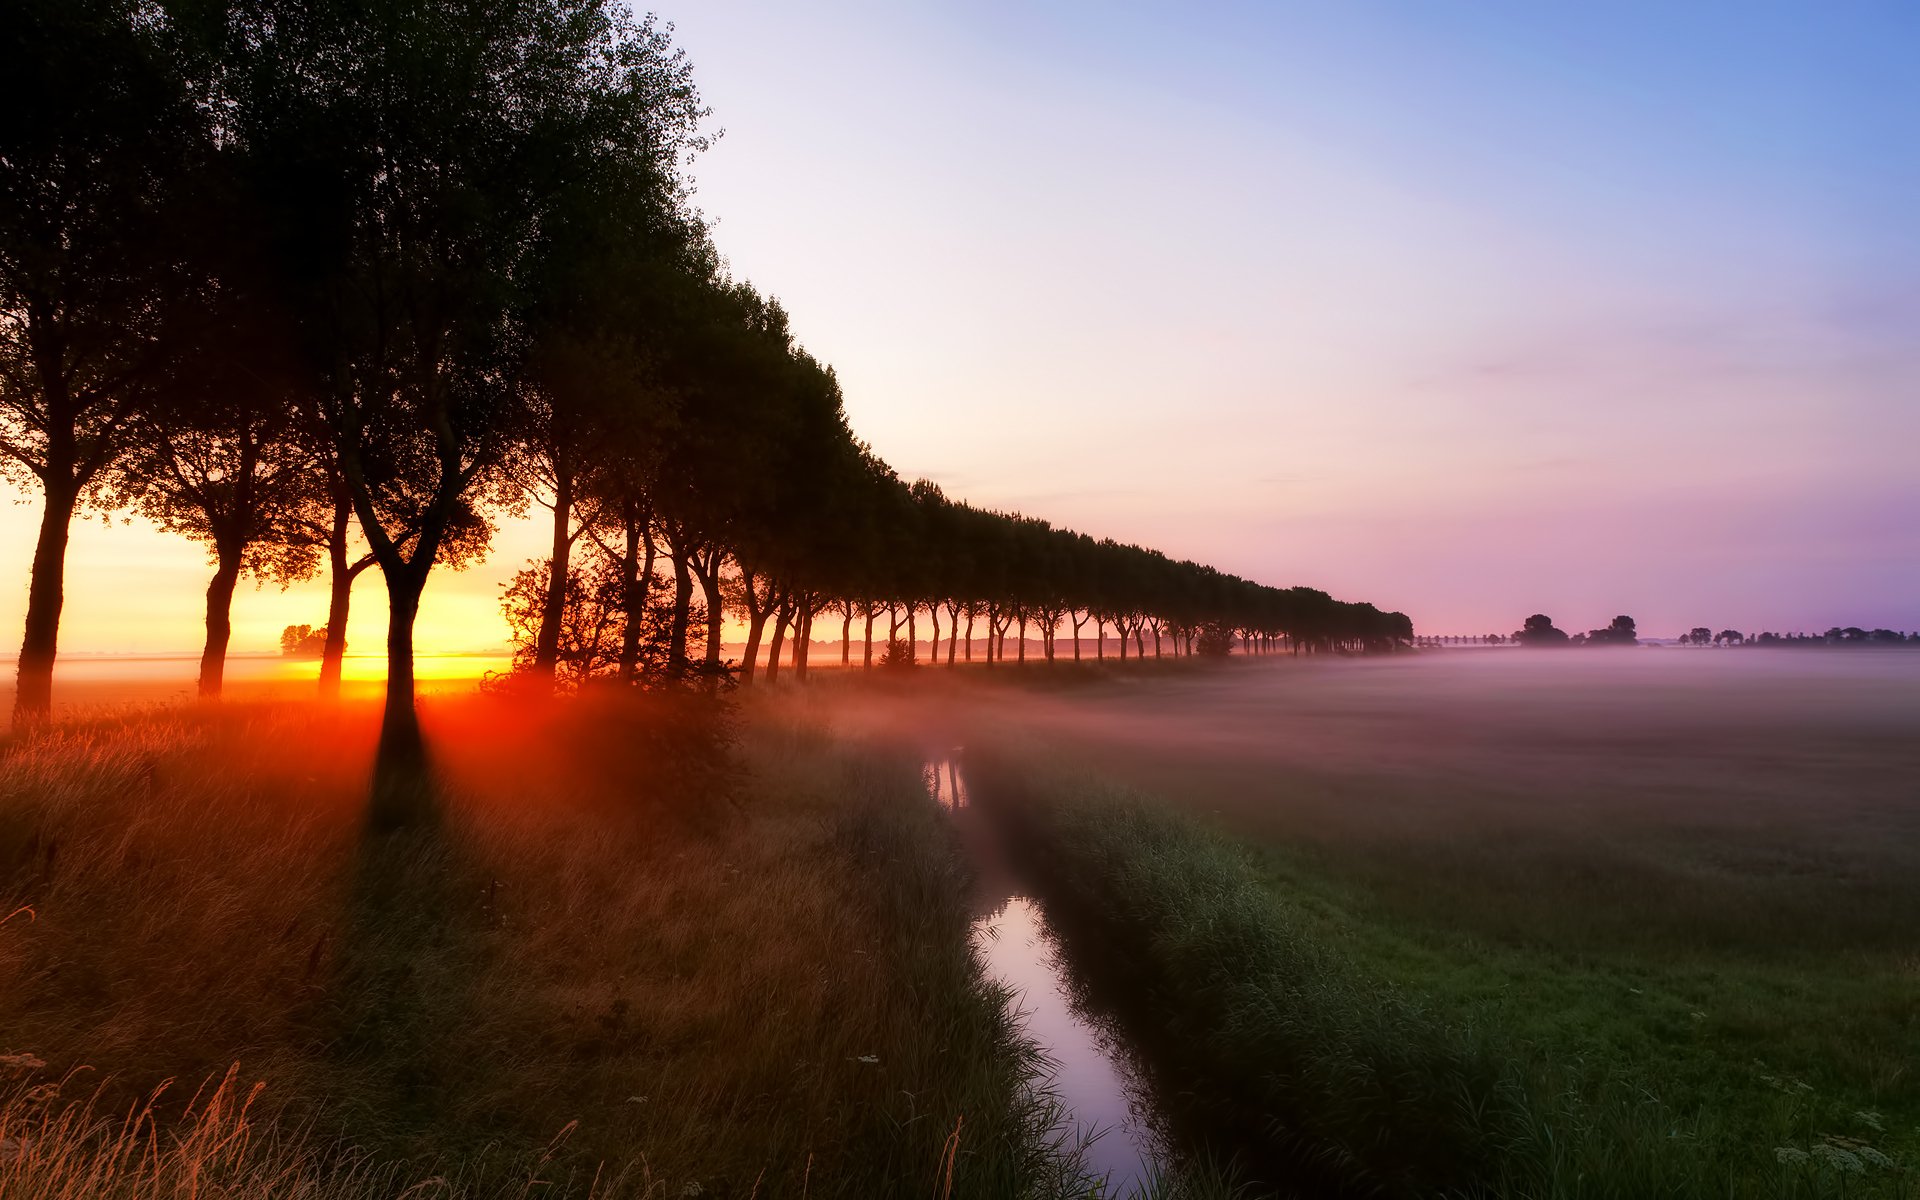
(1468, 310)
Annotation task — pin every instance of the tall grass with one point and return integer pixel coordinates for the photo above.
(594, 974)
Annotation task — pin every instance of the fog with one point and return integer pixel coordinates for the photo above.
(1699, 798)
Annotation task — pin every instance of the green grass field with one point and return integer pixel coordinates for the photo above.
(1657, 912)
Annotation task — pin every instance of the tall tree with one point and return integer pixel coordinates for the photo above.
(232, 473)
(414, 156)
(97, 150)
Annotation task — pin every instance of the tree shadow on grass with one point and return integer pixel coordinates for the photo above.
(414, 943)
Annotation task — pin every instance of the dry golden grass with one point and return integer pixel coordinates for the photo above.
(596, 969)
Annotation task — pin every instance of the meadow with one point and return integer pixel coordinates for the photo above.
(623, 960)
(1620, 923)
(1475, 923)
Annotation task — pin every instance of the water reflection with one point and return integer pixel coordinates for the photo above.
(1095, 1076)
(944, 784)
(1091, 1075)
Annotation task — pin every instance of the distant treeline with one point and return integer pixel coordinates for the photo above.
(1851, 635)
(322, 283)
(1539, 630)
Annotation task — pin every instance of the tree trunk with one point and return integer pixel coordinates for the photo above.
(1020, 653)
(553, 607)
(1100, 647)
(933, 639)
(802, 642)
(913, 639)
(401, 793)
(866, 661)
(213, 659)
(682, 618)
(46, 594)
(846, 635)
(756, 628)
(635, 581)
(969, 632)
(334, 650)
(340, 577)
(779, 639)
(716, 612)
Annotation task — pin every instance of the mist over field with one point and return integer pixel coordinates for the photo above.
(1664, 734)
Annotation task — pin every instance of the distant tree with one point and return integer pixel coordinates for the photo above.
(1728, 637)
(303, 641)
(1619, 632)
(1699, 635)
(1539, 630)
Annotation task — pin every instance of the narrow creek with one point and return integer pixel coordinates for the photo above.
(1108, 1106)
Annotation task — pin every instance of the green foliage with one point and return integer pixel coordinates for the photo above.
(1405, 1049)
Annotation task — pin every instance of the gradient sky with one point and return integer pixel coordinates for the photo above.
(1470, 310)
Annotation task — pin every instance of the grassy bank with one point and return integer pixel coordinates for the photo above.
(1363, 1049)
(600, 972)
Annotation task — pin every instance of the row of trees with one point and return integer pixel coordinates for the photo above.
(1851, 635)
(903, 565)
(1539, 630)
(329, 286)
(1701, 635)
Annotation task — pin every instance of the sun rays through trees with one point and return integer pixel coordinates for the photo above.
(328, 287)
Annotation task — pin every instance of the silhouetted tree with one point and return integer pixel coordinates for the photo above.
(1216, 640)
(233, 474)
(302, 641)
(1539, 630)
(99, 147)
(415, 158)
(1619, 632)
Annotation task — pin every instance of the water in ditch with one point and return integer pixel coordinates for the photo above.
(1108, 1107)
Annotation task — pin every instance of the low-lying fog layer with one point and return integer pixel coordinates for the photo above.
(1673, 733)
(1734, 795)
